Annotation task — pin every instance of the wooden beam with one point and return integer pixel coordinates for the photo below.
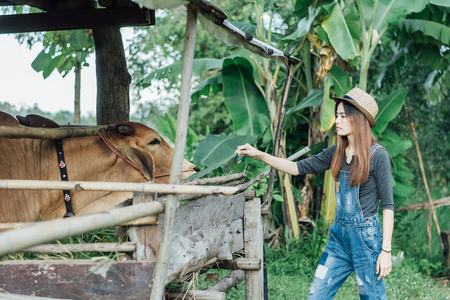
(77, 279)
(76, 19)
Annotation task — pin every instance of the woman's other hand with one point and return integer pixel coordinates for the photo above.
(384, 264)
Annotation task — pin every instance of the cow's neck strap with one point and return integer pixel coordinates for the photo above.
(63, 172)
(126, 159)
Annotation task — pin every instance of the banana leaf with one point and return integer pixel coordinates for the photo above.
(385, 12)
(338, 33)
(327, 115)
(388, 109)
(436, 30)
(243, 99)
(340, 80)
(216, 150)
(314, 97)
(172, 71)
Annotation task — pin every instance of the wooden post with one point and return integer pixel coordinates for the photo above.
(147, 238)
(253, 240)
(445, 236)
(158, 287)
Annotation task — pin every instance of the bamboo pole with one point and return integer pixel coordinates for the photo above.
(218, 179)
(424, 205)
(279, 130)
(20, 132)
(152, 220)
(115, 187)
(44, 232)
(72, 248)
(159, 277)
(425, 182)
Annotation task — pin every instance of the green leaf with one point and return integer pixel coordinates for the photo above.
(52, 66)
(217, 148)
(78, 40)
(340, 80)
(243, 99)
(338, 33)
(444, 3)
(403, 189)
(314, 97)
(403, 174)
(388, 109)
(328, 115)
(168, 126)
(436, 30)
(322, 34)
(304, 25)
(204, 88)
(385, 12)
(42, 61)
(394, 144)
(174, 70)
(438, 91)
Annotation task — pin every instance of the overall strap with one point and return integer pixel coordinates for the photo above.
(374, 148)
(64, 177)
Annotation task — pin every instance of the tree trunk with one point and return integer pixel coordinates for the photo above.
(76, 110)
(113, 79)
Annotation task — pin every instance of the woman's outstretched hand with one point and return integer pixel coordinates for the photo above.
(247, 150)
(278, 163)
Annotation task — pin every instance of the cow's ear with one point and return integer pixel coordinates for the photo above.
(37, 121)
(144, 161)
(141, 159)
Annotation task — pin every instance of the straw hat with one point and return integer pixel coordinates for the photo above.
(363, 101)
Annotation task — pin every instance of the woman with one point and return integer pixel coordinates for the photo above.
(362, 172)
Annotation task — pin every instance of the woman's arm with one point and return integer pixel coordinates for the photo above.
(278, 163)
(384, 262)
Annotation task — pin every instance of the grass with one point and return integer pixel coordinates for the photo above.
(291, 270)
(290, 277)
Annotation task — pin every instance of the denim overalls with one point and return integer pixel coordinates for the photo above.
(354, 245)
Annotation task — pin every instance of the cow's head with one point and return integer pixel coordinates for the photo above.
(146, 150)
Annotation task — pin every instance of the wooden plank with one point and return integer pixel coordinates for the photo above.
(207, 228)
(77, 279)
(253, 237)
(9, 296)
(147, 238)
(76, 19)
(197, 295)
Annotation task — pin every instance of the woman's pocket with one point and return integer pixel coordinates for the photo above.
(370, 238)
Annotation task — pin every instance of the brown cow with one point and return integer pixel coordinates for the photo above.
(88, 159)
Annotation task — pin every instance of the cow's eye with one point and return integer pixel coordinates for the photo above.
(155, 142)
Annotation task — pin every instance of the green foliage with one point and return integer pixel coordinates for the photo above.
(64, 51)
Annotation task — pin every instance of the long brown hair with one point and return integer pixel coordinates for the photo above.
(363, 140)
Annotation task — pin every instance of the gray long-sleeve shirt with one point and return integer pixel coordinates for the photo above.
(378, 186)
